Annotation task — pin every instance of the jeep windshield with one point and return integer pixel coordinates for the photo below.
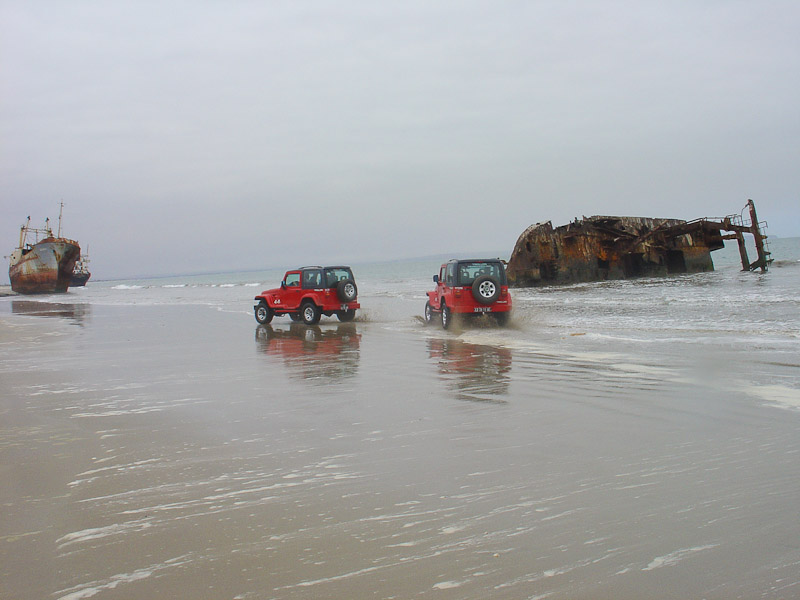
(334, 275)
(469, 271)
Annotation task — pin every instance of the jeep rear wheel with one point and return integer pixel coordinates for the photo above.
(346, 290)
(486, 289)
(310, 313)
(447, 317)
(502, 318)
(264, 313)
(345, 316)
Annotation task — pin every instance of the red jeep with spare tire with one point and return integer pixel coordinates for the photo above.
(470, 287)
(308, 293)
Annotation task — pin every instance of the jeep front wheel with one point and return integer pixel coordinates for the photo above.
(264, 313)
(486, 289)
(310, 313)
(428, 314)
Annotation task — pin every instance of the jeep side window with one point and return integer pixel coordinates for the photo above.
(334, 276)
(292, 280)
(450, 277)
(312, 279)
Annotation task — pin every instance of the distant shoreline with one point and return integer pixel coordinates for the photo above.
(5, 290)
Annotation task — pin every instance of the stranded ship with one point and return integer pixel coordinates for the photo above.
(42, 266)
(81, 274)
(602, 248)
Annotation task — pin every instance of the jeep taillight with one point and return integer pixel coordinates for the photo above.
(457, 292)
(503, 292)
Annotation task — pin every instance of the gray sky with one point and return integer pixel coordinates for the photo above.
(208, 136)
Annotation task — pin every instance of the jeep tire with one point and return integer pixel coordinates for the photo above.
(428, 314)
(346, 290)
(310, 313)
(264, 313)
(345, 316)
(486, 289)
(447, 317)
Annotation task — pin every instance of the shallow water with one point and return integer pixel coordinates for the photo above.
(619, 440)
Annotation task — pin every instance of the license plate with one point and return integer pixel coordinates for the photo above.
(482, 309)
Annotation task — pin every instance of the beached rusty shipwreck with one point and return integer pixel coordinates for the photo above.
(80, 273)
(42, 266)
(600, 248)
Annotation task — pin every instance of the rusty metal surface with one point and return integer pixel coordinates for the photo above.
(604, 247)
(45, 267)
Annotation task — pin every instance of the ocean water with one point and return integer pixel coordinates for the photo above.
(727, 308)
(622, 439)
(725, 296)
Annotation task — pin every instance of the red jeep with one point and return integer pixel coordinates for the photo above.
(470, 287)
(308, 293)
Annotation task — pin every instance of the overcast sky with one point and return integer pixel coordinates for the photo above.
(221, 135)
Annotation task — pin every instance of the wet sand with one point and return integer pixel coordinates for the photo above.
(185, 452)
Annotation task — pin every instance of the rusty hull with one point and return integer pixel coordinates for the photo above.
(600, 248)
(45, 267)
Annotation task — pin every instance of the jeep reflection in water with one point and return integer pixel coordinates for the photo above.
(308, 293)
(469, 287)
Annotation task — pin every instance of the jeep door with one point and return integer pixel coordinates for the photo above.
(441, 286)
(291, 293)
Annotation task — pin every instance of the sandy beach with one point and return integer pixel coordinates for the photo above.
(625, 425)
(184, 451)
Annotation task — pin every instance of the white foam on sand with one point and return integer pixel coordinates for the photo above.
(446, 585)
(95, 533)
(675, 557)
(112, 583)
(780, 396)
(95, 587)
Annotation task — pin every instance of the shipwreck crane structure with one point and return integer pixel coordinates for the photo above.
(737, 225)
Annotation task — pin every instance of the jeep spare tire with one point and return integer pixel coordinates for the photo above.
(346, 290)
(486, 289)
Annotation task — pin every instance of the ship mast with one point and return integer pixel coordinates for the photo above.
(60, 212)
(23, 232)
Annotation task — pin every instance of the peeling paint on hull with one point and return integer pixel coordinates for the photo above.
(45, 268)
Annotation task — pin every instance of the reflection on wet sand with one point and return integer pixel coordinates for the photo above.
(472, 371)
(313, 353)
(74, 312)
